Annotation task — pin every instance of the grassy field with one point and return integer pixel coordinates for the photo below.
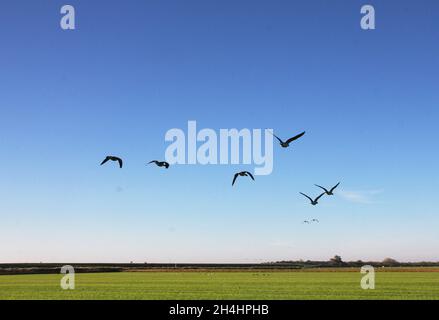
(223, 285)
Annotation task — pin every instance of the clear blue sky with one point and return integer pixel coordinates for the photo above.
(134, 69)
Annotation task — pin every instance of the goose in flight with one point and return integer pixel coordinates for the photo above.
(315, 220)
(242, 174)
(286, 144)
(305, 221)
(160, 163)
(113, 158)
(328, 192)
(315, 201)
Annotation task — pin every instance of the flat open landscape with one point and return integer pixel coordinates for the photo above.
(223, 285)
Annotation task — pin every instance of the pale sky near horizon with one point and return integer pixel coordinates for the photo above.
(132, 70)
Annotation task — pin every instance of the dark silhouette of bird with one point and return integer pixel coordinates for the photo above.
(242, 174)
(305, 221)
(160, 163)
(328, 192)
(315, 201)
(286, 144)
(315, 220)
(113, 158)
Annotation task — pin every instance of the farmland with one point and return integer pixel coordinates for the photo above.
(420, 283)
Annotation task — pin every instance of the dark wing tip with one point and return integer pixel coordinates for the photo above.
(334, 187)
(279, 139)
(306, 196)
(296, 137)
(251, 176)
(105, 160)
(321, 187)
(234, 178)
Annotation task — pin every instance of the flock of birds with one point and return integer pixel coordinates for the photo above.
(315, 201)
(329, 192)
(283, 144)
(308, 222)
(120, 161)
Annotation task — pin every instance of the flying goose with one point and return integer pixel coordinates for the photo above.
(242, 174)
(160, 163)
(112, 158)
(330, 192)
(286, 144)
(315, 201)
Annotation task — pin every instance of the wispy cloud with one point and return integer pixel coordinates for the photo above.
(363, 196)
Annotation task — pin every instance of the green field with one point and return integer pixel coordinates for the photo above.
(223, 285)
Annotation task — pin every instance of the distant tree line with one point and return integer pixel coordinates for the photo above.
(337, 261)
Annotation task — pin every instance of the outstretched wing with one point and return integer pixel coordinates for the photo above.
(295, 137)
(317, 199)
(306, 196)
(251, 176)
(322, 188)
(105, 160)
(234, 178)
(280, 140)
(120, 162)
(333, 188)
(153, 161)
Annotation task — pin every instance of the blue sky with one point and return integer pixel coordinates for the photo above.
(134, 69)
